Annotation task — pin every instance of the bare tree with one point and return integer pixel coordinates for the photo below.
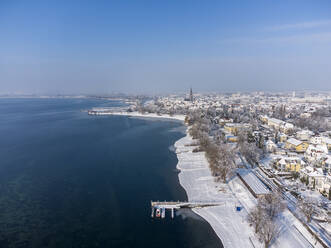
(256, 218)
(268, 232)
(220, 159)
(254, 123)
(219, 137)
(225, 164)
(263, 217)
(242, 137)
(204, 141)
(250, 152)
(307, 208)
(272, 205)
(328, 218)
(212, 153)
(194, 131)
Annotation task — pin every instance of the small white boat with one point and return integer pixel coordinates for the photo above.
(158, 213)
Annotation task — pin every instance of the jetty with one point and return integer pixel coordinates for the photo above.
(159, 207)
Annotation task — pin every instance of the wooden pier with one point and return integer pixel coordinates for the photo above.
(159, 208)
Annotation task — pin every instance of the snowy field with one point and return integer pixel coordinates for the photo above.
(230, 225)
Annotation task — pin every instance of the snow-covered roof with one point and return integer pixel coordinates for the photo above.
(327, 140)
(305, 132)
(309, 168)
(253, 182)
(270, 142)
(294, 141)
(317, 149)
(277, 121)
(311, 172)
(285, 160)
(289, 125)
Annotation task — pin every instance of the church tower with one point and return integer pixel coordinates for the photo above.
(191, 95)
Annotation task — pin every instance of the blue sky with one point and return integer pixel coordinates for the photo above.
(51, 47)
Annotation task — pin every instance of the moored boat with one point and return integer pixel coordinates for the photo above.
(158, 213)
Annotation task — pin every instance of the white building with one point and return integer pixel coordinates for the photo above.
(316, 178)
(314, 153)
(270, 146)
(304, 135)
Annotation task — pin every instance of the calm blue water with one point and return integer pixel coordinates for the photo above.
(72, 180)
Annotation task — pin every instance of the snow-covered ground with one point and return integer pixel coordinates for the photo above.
(195, 177)
(230, 225)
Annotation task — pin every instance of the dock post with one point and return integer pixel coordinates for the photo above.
(163, 213)
(172, 213)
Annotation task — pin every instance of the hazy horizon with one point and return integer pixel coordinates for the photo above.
(164, 47)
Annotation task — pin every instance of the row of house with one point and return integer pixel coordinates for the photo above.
(234, 128)
(303, 153)
(277, 124)
(231, 130)
(316, 177)
(282, 163)
(299, 146)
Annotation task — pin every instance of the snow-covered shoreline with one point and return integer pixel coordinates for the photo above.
(195, 177)
(146, 115)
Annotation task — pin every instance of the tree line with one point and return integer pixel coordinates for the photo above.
(219, 155)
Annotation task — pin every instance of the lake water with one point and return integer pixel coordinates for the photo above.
(72, 180)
